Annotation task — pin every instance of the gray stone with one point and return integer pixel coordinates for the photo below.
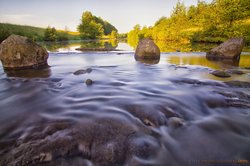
(18, 52)
(234, 71)
(82, 71)
(175, 122)
(231, 49)
(147, 49)
(219, 73)
(89, 82)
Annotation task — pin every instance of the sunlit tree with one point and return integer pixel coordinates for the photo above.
(89, 28)
(230, 11)
(113, 34)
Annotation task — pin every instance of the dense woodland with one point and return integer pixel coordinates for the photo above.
(205, 22)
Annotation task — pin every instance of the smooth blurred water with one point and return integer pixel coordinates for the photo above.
(126, 117)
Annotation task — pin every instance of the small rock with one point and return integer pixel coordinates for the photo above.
(44, 157)
(238, 72)
(148, 123)
(219, 73)
(175, 122)
(89, 82)
(82, 71)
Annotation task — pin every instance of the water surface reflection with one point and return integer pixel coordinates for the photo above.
(200, 60)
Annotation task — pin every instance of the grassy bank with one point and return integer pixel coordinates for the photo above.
(34, 33)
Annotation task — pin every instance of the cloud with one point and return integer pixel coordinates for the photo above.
(15, 16)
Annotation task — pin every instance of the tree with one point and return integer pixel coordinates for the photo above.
(50, 34)
(93, 27)
(107, 27)
(89, 28)
(113, 34)
(231, 11)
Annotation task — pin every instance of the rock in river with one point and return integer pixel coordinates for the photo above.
(231, 49)
(147, 49)
(219, 73)
(89, 82)
(82, 71)
(18, 52)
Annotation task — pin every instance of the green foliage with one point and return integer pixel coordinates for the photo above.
(50, 34)
(107, 27)
(93, 27)
(114, 35)
(204, 22)
(34, 33)
(230, 11)
(123, 35)
(89, 28)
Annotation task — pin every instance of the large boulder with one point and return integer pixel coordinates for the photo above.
(18, 52)
(231, 49)
(147, 49)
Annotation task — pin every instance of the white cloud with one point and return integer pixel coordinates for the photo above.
(15, 17)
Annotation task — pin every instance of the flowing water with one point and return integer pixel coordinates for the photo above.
(172, 112)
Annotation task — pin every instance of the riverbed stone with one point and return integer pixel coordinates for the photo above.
(175, 122)
(220, 73)
(89, 82)
(234, 71)
(231, 49)
(18, 52)
(147, 49)
(82, 71)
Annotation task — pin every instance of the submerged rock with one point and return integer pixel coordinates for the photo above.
(231, 49)
(238, 84)
(149, 61)
(29, 73)
(147, 49)
(238, 72)
(82, 71)
(18, 52)
(175, 122)
(219, 73)
(89, 82)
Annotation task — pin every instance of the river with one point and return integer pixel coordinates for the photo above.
(172, 112)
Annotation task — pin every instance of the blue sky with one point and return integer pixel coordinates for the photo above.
(123, 14)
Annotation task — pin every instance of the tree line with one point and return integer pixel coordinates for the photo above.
(51, 34)
(91, 27)
(204, 22)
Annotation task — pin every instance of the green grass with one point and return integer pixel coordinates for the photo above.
(34, 33)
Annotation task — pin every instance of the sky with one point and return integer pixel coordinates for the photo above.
(123, 14)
